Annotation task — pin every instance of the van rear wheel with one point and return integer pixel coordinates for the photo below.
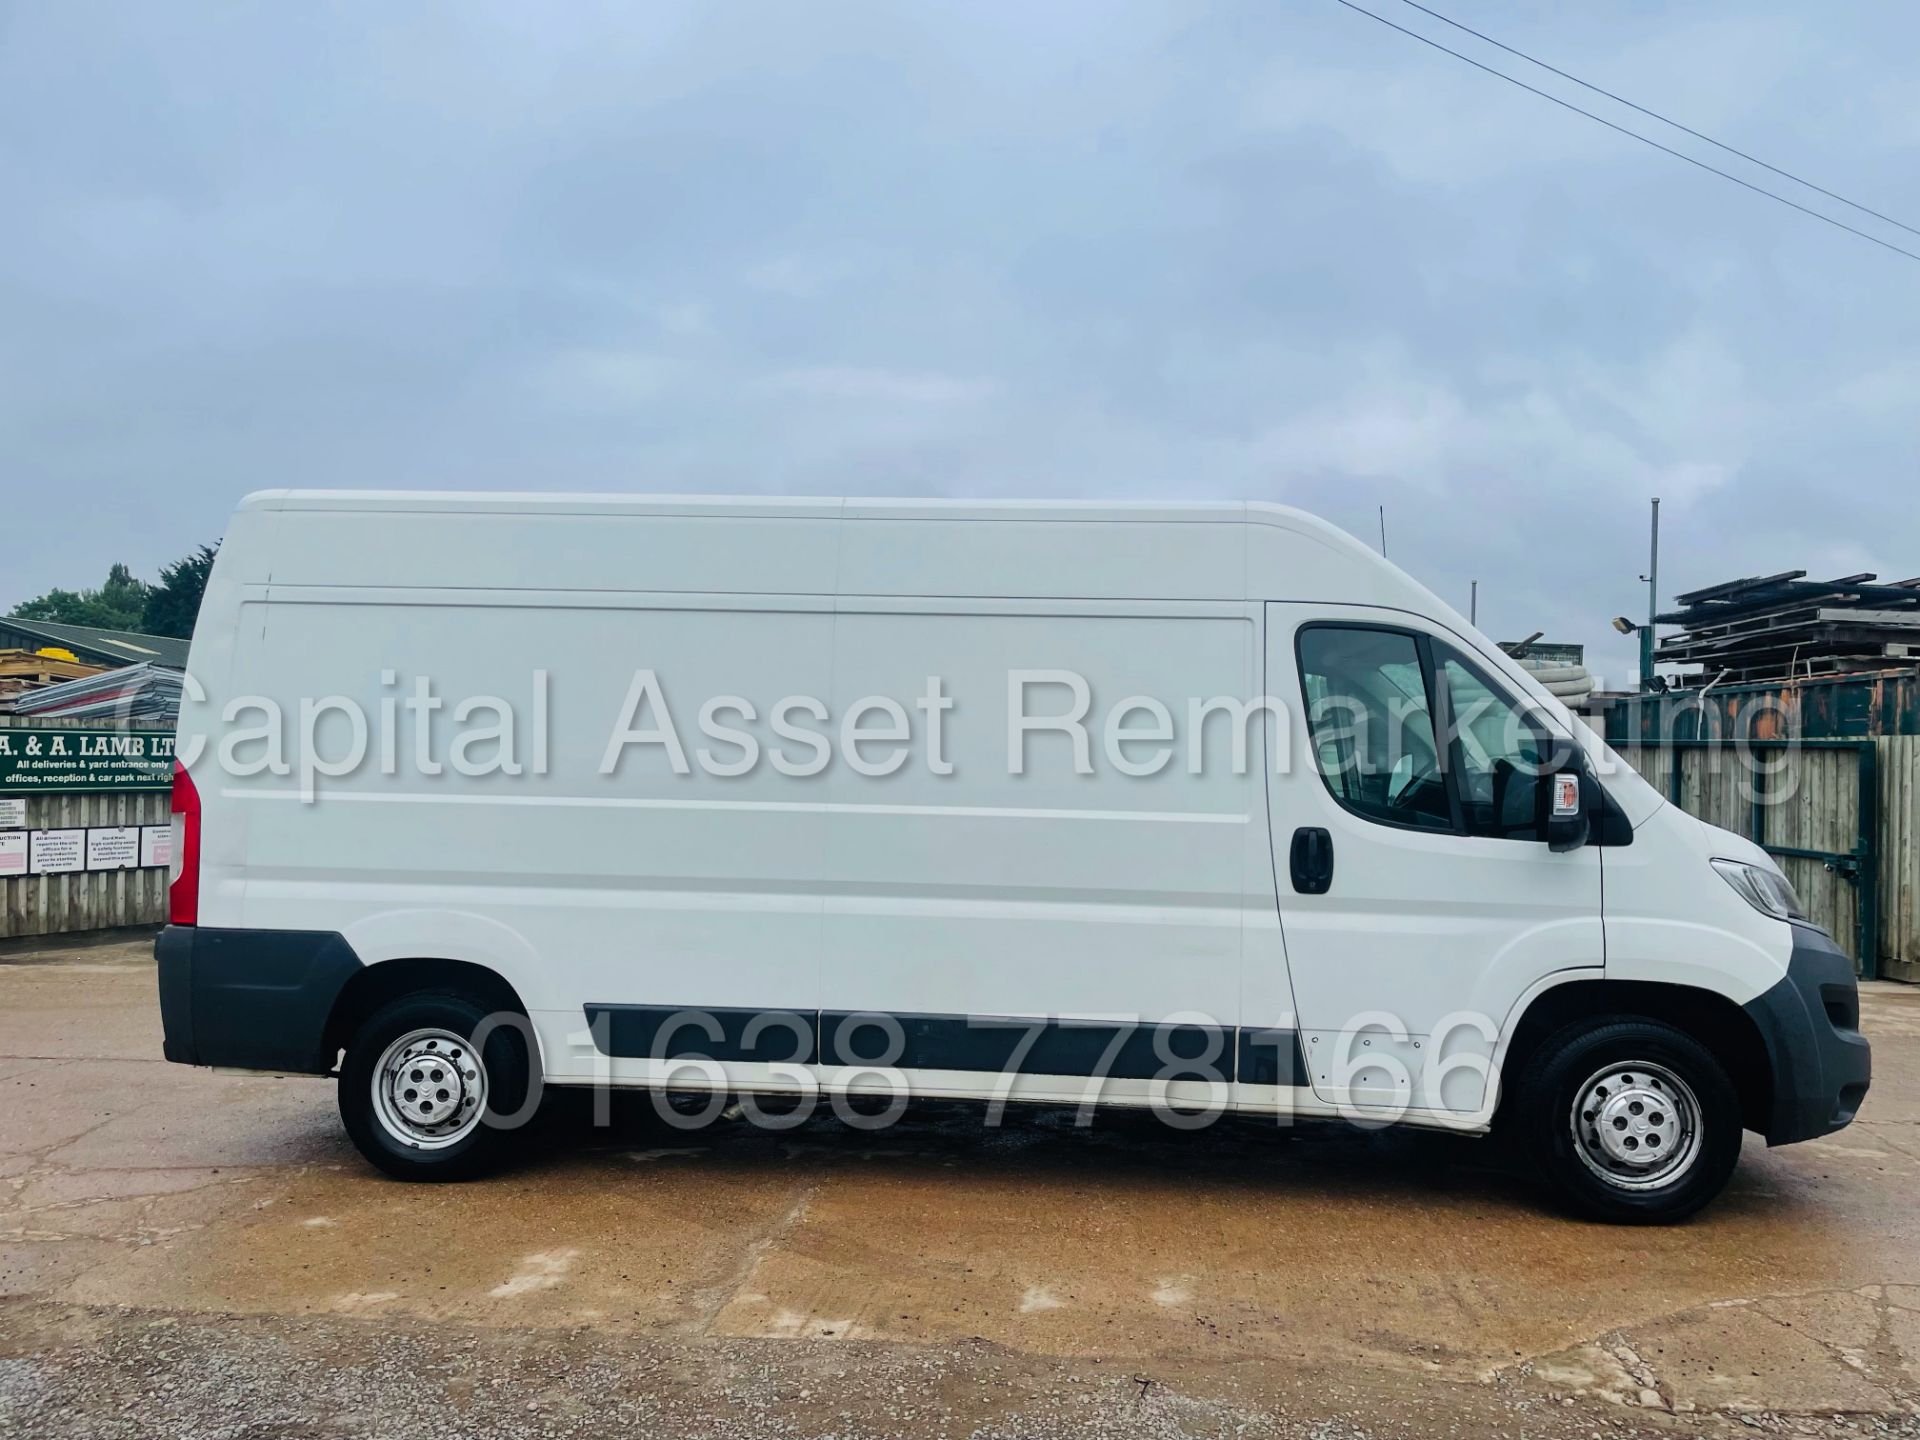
(1631, 1120)
(422, 1100)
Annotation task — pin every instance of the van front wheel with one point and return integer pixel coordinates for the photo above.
(433, 1084)
(1631, 1120)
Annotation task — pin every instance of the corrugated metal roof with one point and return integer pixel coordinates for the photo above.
(119, 647)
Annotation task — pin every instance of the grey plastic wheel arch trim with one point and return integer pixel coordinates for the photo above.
(1809, 1023)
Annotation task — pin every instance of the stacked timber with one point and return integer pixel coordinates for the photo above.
(1787, 627)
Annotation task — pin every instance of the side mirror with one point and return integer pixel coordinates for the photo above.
(1568, 816)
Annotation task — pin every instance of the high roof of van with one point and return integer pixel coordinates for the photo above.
(493, 502)
(1032, 549)
(561, 549)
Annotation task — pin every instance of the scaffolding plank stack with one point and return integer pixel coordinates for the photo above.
(1787, 627)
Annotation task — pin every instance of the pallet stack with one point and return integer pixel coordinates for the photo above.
(1787, 627)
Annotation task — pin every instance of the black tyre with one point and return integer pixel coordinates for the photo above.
(1631, 1120)
(421, 1101)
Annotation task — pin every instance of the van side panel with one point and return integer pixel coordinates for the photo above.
(1054, 893)
(538, 549)
(643, 885)
(897, 553)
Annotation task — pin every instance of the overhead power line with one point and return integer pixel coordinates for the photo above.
(1632, 134)
(1663, 119)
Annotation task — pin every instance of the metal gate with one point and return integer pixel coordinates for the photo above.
(1814, 804)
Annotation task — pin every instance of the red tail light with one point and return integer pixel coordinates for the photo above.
(183, 895)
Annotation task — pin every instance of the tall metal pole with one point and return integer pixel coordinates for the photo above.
(1473, 603)
(1383, 530)
(1653, 602)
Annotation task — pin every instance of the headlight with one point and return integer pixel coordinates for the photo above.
(1762, 887)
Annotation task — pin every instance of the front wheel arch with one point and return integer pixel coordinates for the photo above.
(1714, 1021)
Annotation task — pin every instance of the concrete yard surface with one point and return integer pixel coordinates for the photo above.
(191, 1254)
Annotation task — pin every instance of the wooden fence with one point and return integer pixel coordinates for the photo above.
(1900, 857)
(84, 900)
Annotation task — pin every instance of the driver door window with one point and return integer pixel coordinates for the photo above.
(1371, 717)
(1376, 701)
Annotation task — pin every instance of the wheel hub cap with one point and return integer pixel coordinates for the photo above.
(1636, 1125)
(429, 1088)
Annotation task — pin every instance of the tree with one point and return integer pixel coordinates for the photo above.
(172, 605)
(119, 604)
(125, 603)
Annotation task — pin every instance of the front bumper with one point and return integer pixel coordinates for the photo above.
(251, 999)
(1810, 1025)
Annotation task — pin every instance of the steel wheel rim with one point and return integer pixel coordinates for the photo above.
(429, 1089)
(1636, 1125)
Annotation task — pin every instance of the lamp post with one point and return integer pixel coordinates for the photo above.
(1652, 577)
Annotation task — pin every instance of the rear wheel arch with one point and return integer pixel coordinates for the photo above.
(384, 981)
(1716, 1022)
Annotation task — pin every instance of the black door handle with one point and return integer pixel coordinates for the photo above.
(1311, 860)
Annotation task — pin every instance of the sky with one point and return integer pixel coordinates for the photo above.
(1265, 250)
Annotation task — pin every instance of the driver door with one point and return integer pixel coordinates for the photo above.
(1417, 768)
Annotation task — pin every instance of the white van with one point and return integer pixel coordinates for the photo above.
(1204, 807)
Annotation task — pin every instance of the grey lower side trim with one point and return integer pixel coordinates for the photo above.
(990, 1044)
(250, 999)
(1810, 1024)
